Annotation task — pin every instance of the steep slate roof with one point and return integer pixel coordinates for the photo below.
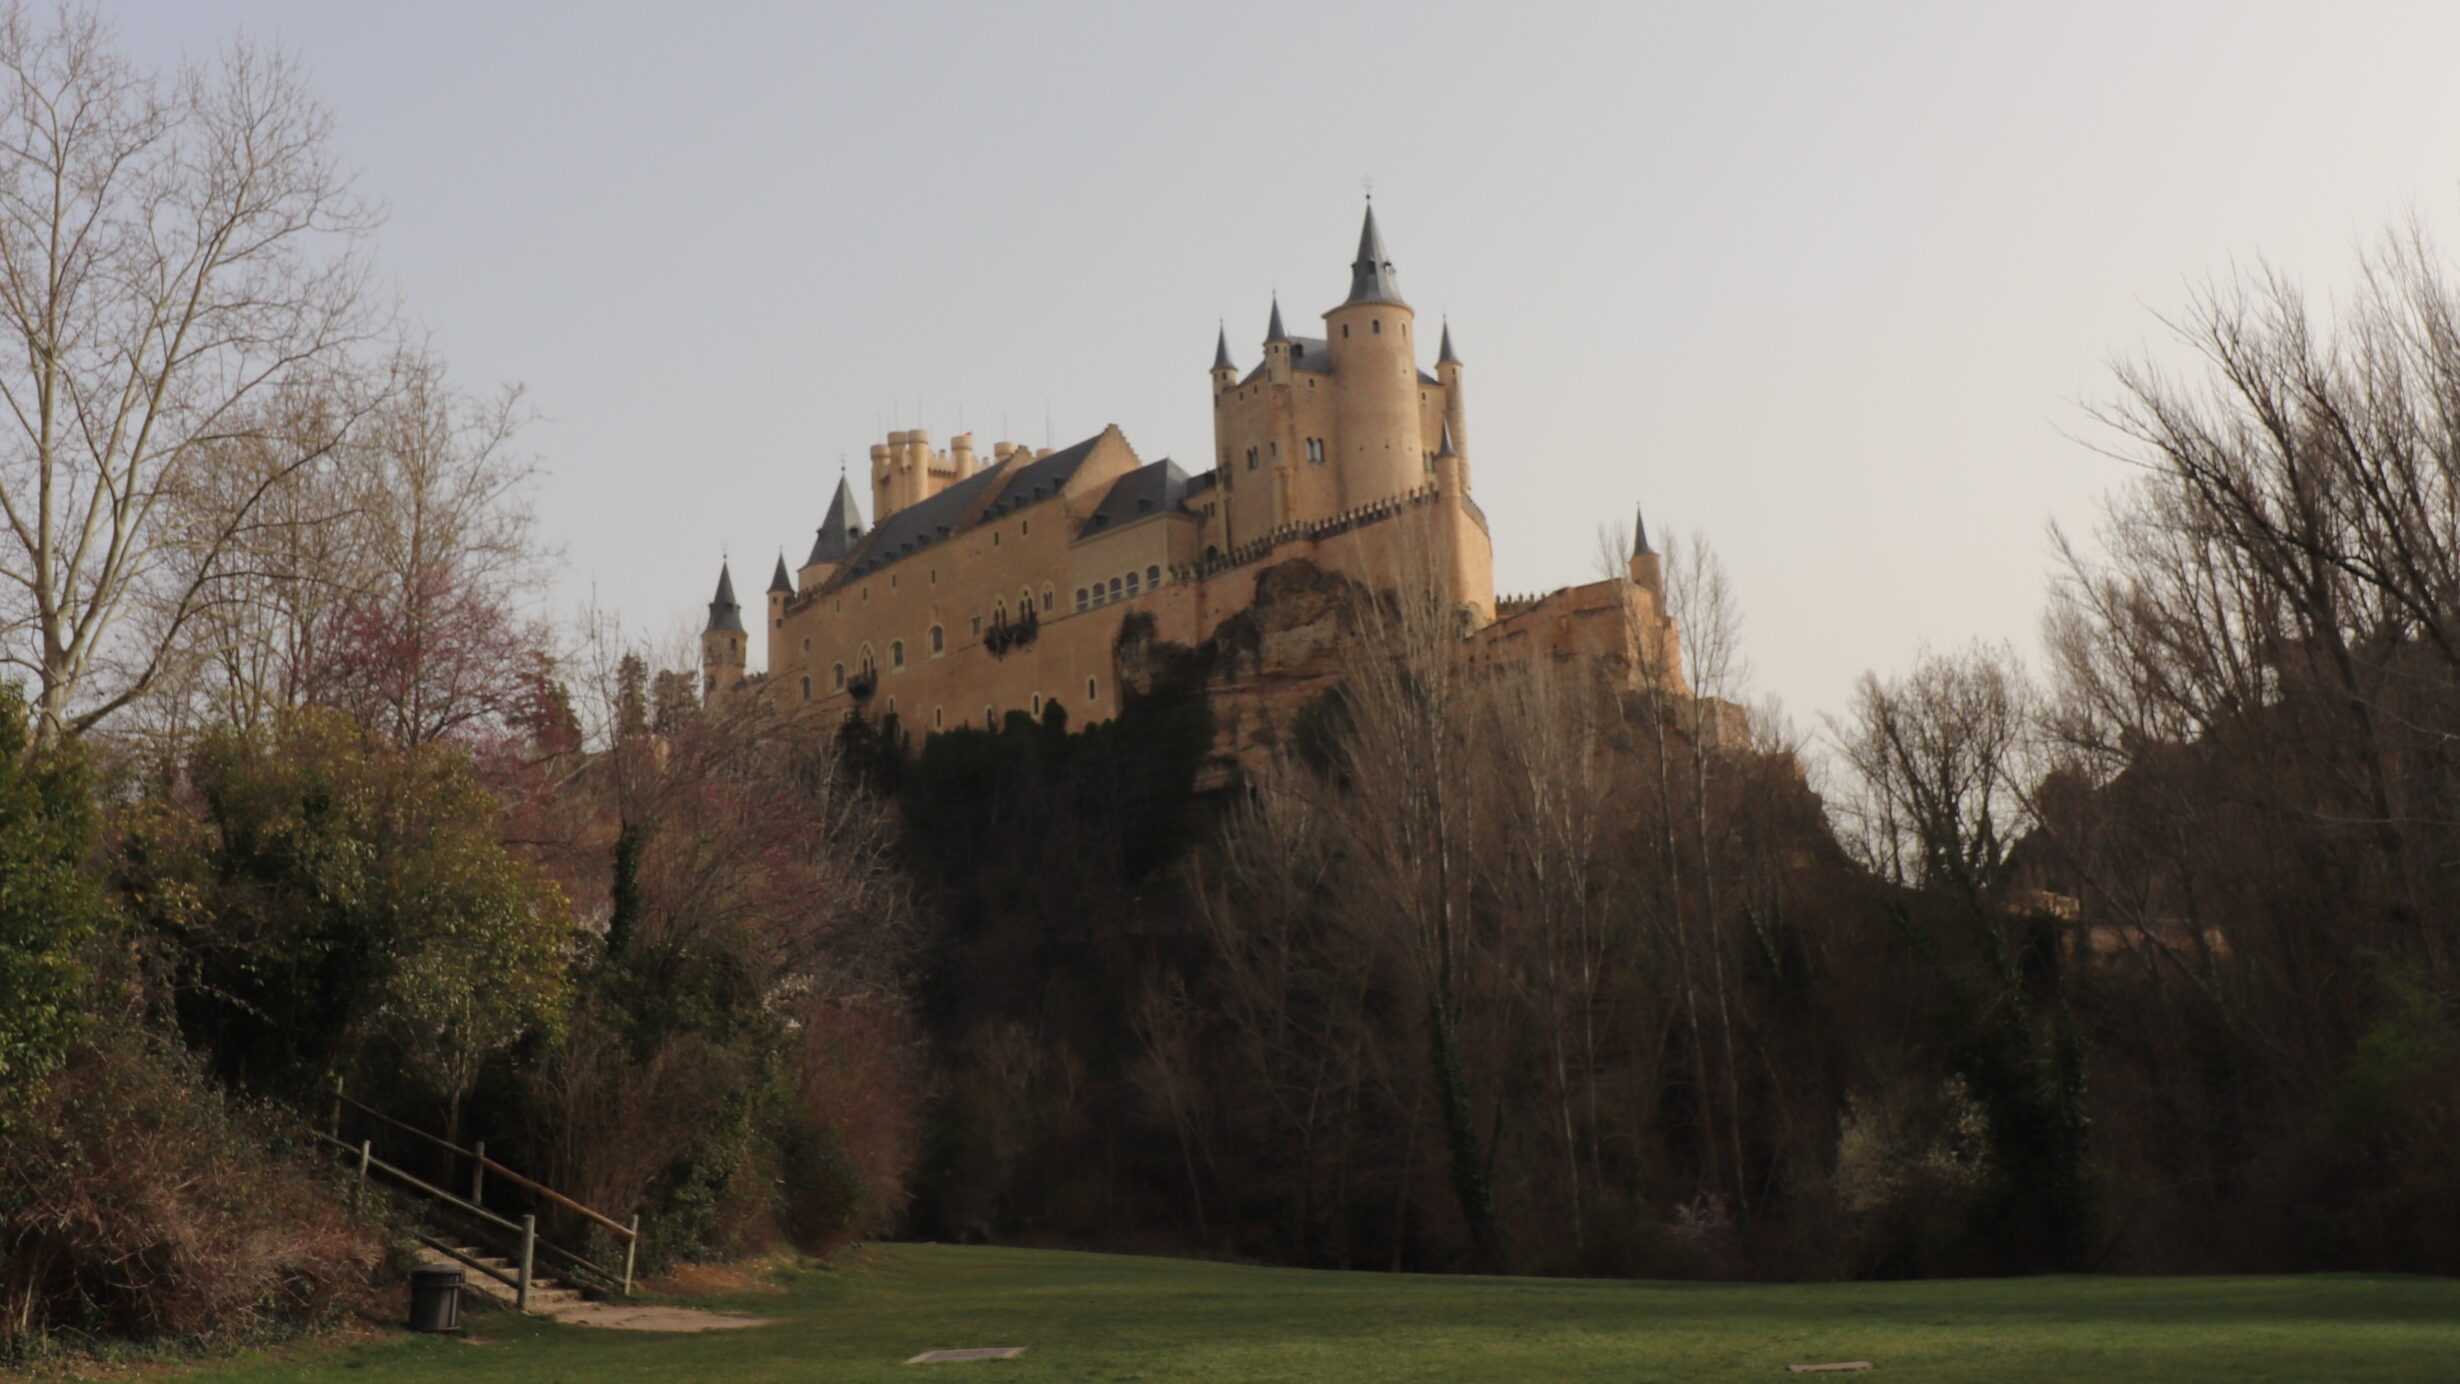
(1310, 354)
(779, 581)
(1640, 533)
(935, 520)
(1155, 488)
(1372, 279)
(1221, 350)
(1040, 479)
(724, 613)
(1272, 330)
(919, 526)
(1445, 356)
(841, 530)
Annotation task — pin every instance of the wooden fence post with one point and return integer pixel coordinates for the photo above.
(529, 1250)
(632, 1249)
(478, 1173)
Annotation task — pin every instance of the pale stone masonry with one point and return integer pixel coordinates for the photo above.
(999, 582)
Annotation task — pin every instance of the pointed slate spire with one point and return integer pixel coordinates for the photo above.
(1445, 356)
(1273, 330)
(1640, 534)
(779, 581)
(724, 614)
(1221, 350)
(1372, 279)
(1446, 449)
(839, 530)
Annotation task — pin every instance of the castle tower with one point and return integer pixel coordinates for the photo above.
(1456, 415)
(781, 590)
(1646, 571)
(1225, 374)
(723, 641)
(839, 532)
(1378, 446)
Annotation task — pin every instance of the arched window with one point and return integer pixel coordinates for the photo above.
(1081, 600)
(1132, 579)
(1093, 690)
(1037, 704)
(999, 611)
(990, 719)
(939, 640)
(1114, 588)
(936, 722)
(807, 689)
(869, 662)
(837, 677)
(1378, 324)
(1153, 575)
(896, 653)
(1024, 600)
(1046, 598)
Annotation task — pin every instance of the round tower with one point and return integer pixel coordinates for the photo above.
(1225, 374)
(781, 590)
(1377, 444)
(1456, 415)
(723, 642)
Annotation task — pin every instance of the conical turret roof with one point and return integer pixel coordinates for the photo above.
(840, 530)
(1445, 356)
(1273, 330)
(779, 581)
(1221, 350)
(1372, 279)
(1446, 449)
(724, 613)
(1640, 533)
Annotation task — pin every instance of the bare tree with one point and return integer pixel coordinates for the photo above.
(178, 257)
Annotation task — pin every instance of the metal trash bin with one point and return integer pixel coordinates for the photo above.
(435, 1299)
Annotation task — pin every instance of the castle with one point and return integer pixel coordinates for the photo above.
(987, 585)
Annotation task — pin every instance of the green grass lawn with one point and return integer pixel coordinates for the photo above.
(1095, 1317)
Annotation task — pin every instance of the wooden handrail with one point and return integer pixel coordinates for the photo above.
(422, 1184)
(559, 1198)
(404, 1128)
(442, 1248)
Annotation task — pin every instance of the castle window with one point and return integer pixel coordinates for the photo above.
(975, 626)
(1345, 331)
(1251, 458)
(1081, 602)
(1276, 448)
(935, 576)
(892, 581)
(896, 654)
(807, 689)
(1153, 575)
(1131, 583)
(807, 646)
(778, 624)
(837, 677)
(939, 639)
(1025, 601)
(866, 593)
(1378, 324)
(1315, 449)
(1046, 596)
(990, 719)
(1114, 588)
(935, 718)
(994, 538)
(1024, 527)
(1093, 691)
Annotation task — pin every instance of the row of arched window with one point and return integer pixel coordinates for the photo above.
(1118, 588)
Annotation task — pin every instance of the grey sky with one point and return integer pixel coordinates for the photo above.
(1825, 282)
